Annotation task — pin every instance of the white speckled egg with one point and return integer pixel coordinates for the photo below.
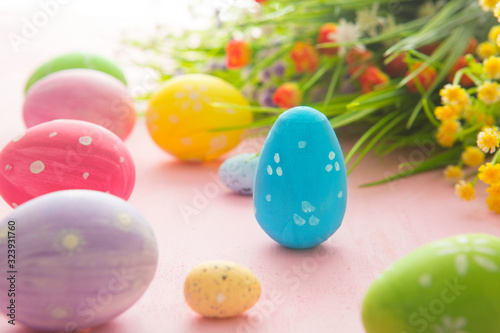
(238, 172)
(220, 289)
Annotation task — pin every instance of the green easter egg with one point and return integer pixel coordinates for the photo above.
(76, 60)
(449, 286)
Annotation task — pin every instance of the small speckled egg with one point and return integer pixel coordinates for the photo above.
(82, 258)
(65, 154)
(81, 94)
(76, 60)
(301, 183)
(448, 286)
(181, 117)
(220, 289)
(238, 172)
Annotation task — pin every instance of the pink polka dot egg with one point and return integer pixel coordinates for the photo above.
(65, 154)
(81, 94)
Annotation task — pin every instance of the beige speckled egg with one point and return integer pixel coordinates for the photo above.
(220, 289)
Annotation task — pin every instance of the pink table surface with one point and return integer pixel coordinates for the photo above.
(318, 290)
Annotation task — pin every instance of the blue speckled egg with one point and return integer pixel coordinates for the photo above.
(301, 183)
(238, 172)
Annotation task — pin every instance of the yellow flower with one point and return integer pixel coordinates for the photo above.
(493, 199)
(488, 5)
(493, 34)
(447, 112)
(489, 92)
(488, 139)
(492, 67)
(473, 156)
(454, 95)
(496, 11)
(465, 191)
(489, 173)
(453, 173)
(486, 50)
(446, 133)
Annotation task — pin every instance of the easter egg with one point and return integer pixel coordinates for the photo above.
(301, 185)
(65, 154)
(79, 259)
(238, 172)
(451, 285)
(81, 94)
(220, 289)
(183, 121)
(76, 60)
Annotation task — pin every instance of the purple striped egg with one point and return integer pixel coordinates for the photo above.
(78, 259)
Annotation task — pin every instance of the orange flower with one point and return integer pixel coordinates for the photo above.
(357, 58)
(426, 78)
(238, 54)
(287, 95)
(465, 81)
(397, 67)
(305, 57)
(327, 35)
(371, 79)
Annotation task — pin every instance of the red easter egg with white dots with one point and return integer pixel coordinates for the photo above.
(81, 94)
(65, 154)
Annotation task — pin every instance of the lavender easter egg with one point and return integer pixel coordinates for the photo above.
(81, 94)
(238, 172)
(301, 185)
(65, 154)
(448, 286)
(79, 259)
(76, 60)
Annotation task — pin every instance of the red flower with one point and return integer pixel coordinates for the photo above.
(371, 79)
(305, 57)
(426, 78)
(429, 48)
(357, 59)
(327, 35)
(261, 1)
(238, 54)
(397, 67)
(287, 95)
(471, 47)
(465, 81)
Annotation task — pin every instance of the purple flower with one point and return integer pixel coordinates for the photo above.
(265, 75)
(265, 96)
(279, 68)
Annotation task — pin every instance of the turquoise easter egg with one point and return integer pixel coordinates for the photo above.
(238, 172)
(76, 60)
(301, 184)
(449, 286)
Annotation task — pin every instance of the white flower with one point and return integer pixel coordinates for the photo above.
(465, 248)
(346, 32)
(367, 20)
(448, 325)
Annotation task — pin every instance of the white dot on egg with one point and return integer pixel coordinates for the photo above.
(337, 166)
(19, 137)
(277, 158)
(203, 88)
(59, 313)
(197, 106)
(230, 111)
(298, 220)
(185, 105)
(187, 141)
(279, 171)
(331, 156)
(314, 221)
(173, 119)
(14, 205)
(85, 175)
(268, 197)
(302, 144)
(269, 170)
(70, 241)
(53, 134)
(328, 167)
(37, 167)
(122, 159)
(8, 167)
(340, 194)
(194, 95)
(179, 95)
(425, 281)
(85, 140)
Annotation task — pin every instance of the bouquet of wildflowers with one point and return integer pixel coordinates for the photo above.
(398, 73)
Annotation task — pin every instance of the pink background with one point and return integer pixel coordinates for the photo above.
(319, 290)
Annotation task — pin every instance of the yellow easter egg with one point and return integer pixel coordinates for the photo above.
(220, 289)
(181, 115)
